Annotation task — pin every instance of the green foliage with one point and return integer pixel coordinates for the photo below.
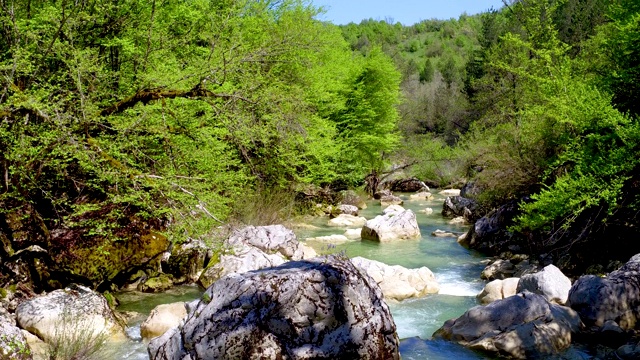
(367, 123)
(427, 71)
(165, 114)
(76, 339)
(546, 129)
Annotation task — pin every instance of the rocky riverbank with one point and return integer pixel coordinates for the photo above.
(545, 312)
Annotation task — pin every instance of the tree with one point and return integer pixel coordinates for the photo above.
(366, 125)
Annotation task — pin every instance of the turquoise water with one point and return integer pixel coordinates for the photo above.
(457, 270)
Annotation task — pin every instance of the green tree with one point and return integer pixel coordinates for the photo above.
(366, 125)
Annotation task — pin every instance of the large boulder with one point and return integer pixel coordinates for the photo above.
(456, 206)
(498, 290)
(392, 226)
(347, 209)
(615, 297)
(66, 313)
(270, 239)
(253, 248)
(162, 318)
(550, 282)
(522, 326)
(242, 259)
(323, 308)
(490, 233)
(13, 344)
(398, 282)
(344, 220)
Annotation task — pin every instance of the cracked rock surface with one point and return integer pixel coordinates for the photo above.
(66, 312)
(254, 248)
(323, 308)
(522, 326)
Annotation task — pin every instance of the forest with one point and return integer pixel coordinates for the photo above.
(123, 119)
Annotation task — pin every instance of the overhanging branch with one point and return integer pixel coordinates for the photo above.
(146, 95)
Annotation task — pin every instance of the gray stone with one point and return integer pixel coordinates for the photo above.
(550, 283)
(390, 200)
(270, 239)
(254, 248)
(522, 326)
(242, 259)
(348, 209)
(628, 352)
(499, 269)
(323, 308)
(457, 206)
(616, 297)
(13, 344)
(442, 233)
(63, 313)
(392, 226)
(187, 260)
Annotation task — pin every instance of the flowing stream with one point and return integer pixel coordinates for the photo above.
(457, 270)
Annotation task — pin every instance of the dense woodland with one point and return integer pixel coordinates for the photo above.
(124, 118)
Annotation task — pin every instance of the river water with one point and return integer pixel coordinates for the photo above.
(457, 270)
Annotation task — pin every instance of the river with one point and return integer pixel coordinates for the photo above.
(457, 270)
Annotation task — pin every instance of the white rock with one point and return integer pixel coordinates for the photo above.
(497, 290)
(458, 221)
(162, 318)
(353, 233)
(330, 239)
(348, 209)
(344, 220)
(450, 192)
(392, 226)
(550, 282)
(398, 282)
(308, 252)
(242, 259)
(427, 211)
(393, 209)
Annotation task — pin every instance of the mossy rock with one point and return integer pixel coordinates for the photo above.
(156, 284)
(105, 263)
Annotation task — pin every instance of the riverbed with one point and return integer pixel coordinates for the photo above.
(456, 268)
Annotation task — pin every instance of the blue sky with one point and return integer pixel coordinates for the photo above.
(408, 12)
